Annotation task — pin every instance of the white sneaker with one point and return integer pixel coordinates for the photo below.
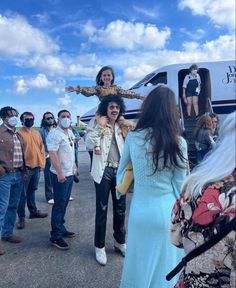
(101, 256)
(120, 248)
(71, 198)
(51, 201)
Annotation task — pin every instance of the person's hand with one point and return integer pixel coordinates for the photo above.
(61, 178)
(76, 171)
(76, 139)
(102, 120)
(70, 89)
(126, 123)
(2, 171)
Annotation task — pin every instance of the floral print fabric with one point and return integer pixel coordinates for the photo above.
(201, 218)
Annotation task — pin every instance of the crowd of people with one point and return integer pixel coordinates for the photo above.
(169, 203)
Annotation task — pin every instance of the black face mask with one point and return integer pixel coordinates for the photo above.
(49, 122)
(29, 122)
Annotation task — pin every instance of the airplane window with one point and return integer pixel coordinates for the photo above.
(160, 78)
(144, 80)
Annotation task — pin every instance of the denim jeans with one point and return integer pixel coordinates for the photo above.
(28, 193)
(103, 189)
(47, 180)
(62, 193)
(11, 186)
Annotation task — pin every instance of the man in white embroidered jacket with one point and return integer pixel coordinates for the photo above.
(108, 142)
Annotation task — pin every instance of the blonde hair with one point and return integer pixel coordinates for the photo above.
(219, 163)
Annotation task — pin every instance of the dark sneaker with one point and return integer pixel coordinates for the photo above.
(21, 223)
(12, 239)
(38, 214)
(68, 234)
(60, 244)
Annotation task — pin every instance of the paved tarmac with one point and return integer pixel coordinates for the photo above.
(34, 263)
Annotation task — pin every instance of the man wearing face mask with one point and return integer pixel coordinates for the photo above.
(191, 90)
(11, 168)
(60, 143)
(34, 156)
(47, 124)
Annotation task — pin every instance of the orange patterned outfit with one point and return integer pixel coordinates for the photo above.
(102, 92)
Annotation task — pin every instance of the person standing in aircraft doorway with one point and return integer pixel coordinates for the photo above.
(191, 90)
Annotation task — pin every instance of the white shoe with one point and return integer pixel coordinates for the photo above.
(101, 256)
(51, 201)
(71, 198)
(120, 248)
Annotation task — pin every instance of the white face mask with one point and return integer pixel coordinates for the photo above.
(65, 122)
(12, 121)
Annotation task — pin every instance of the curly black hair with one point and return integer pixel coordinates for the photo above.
(7, 111)
(103, 106)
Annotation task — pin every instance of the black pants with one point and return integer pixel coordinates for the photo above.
(91, 159)
(103, 189)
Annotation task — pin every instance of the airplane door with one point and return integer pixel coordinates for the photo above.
(205, 94)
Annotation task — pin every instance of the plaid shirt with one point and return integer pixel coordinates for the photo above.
(18, 153)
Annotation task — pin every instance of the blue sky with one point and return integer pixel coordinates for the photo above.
(49, 44)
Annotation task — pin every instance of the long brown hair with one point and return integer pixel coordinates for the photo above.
(99, 81)
(204, 122)
(159, 112)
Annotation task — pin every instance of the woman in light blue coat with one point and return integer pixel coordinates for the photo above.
(159, 158)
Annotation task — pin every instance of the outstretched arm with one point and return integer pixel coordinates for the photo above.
(129, 94)
(86, 91)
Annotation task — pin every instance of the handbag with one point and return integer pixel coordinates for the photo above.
(127, 180)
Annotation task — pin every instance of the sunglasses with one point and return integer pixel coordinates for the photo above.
(49, 118)
(112, 107)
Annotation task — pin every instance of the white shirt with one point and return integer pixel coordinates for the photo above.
(63, 144)
(191, 76)
(103, 136)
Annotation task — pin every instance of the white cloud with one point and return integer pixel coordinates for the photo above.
(222, 48)
(127, 35)
(42, 18)
(220, 12)
(22, 86)
(65, 66)
(64, 101)
(19, 38)
(52, 65)
(194, 35)
(151, 13)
